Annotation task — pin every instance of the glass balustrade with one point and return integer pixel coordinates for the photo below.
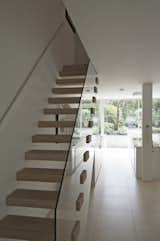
(73, 201)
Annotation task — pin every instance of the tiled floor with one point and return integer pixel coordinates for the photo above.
(122, 208)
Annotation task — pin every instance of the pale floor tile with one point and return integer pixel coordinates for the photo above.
(146, 221)
(115, 221)
(110, 235)
(112, 204)
(122, 207)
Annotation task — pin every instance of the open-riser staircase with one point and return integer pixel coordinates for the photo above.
(30, 204)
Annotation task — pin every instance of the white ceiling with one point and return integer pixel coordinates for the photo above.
(122, 38)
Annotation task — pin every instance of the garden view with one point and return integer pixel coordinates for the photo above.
(122, 118)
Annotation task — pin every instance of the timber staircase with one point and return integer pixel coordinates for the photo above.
(43, 165)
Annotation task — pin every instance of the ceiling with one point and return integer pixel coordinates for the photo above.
(122, 37)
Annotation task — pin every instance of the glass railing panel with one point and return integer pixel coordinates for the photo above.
(72, 205)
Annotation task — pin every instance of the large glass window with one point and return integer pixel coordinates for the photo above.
(123, 118)
(156, 121)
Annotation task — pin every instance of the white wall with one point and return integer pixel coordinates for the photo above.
(26, 28)
(80, 53)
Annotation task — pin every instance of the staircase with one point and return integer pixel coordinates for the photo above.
(39, 180)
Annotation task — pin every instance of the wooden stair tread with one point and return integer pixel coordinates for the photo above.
(64, 111)
(64, 100)
(27, 222)
(50, 155)
(27, 228)
(40, 175)
(74, 66)
(73, 72)
(77, 90)
(22, 234)
(60, 124)
(70, 81)
(51, 138)
(32, 198)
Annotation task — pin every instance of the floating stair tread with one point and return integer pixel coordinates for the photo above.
(27, 222)
(51, 138)
(27, 228)
(52, 111)
(32, 198)
(70, 81)
(40, 175)
(64, 100)
(73, 72)
(57, 124)
(50, 155)
(22, 234)
(75, 67)
(77, 90)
